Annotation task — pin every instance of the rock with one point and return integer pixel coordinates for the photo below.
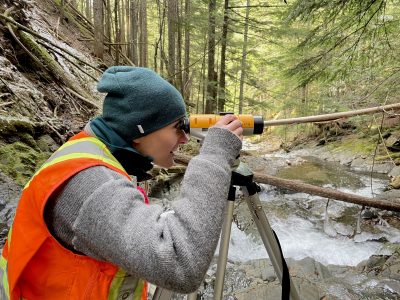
(360, 163)
(394, 172)
(270, 291)
(268, 274)
(47, 144)
(372, 265)
(345, 157)
(369, 213)
(395, 182)
(259, 268)
(390, 195)
(308, 268)
(9, 197)
(393, 143)
(393, 286)
(9, 191)
(391, 267)
(383, 168)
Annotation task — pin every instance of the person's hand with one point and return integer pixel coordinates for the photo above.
(232, 123)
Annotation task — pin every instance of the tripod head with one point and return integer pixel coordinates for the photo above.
(242, 175)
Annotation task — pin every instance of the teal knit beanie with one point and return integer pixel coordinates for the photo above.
(138, 101)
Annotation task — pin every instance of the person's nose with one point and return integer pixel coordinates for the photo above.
(183, 138)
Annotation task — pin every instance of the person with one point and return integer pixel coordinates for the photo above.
(84, 230)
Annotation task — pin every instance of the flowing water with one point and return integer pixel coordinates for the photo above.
(307, 227)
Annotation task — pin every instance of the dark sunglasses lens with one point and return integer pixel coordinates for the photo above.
(183, 124)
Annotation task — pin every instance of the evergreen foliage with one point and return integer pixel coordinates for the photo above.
(302, 57)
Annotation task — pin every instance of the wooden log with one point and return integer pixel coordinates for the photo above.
(298, 186)
(333, 116)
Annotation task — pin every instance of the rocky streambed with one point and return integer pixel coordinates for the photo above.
(333, 249)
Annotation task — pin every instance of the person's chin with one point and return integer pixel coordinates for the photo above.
(167, 163)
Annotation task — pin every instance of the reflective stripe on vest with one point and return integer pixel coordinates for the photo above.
(88, 147)
(4, 288)
(123, 286)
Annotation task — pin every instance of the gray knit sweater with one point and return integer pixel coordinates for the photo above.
(100, 214)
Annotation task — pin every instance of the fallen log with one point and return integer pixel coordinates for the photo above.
(298, 186)
(333, 116)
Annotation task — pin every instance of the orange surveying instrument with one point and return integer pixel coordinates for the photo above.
(197, 125)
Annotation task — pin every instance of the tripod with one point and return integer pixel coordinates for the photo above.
(242, 176)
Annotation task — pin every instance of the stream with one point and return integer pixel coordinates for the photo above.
(332, 248)
(307, 228)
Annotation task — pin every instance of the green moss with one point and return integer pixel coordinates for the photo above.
(20, 161)
(354, 144)
(12, 130)
(13, 127)
(394, 155)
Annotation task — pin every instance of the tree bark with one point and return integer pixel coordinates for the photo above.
(117, 31)
(143, 34)
(98, 23)
(179, 45)
(108, 25)
(122, 26)
(88, 10)
(222, 74)
(134, 32)
(302, 187)
(172, 23)
(244, 57)
(211, 77)
(186, 63)
(159, 42)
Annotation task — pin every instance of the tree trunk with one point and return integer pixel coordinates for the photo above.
(88, 10)
(186, 71)
(108, 25)
(222, 84)
(186, 85)
(172, 23)
(117, 31)
(244, 57)
(128, 27)
(158, 46)
(122, 27)
(133, 55)
(179, 46)
(202, 78)
(143, 33)
(211, 76)
(98, 24)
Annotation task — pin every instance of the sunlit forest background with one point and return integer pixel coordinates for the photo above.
(274, 58)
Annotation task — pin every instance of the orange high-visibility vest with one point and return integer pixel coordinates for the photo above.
(33, 264)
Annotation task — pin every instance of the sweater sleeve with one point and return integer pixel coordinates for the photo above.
(173, 249)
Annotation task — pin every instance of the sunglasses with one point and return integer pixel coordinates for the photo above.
(183, 124)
